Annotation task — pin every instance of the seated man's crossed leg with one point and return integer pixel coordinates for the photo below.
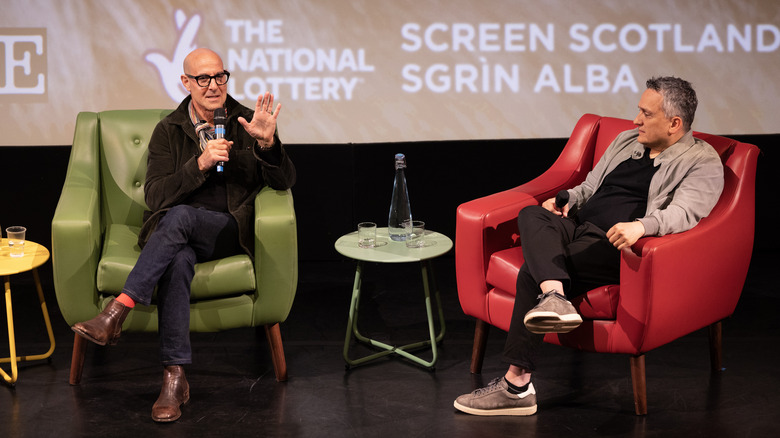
(184, 236)
(562, 258)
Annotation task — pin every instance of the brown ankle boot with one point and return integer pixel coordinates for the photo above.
(175, 392)
(106, 327)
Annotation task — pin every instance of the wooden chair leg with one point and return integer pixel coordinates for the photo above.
(716, 346)
(478, 351)
(639, 382)
(274, 336)
(77, 360)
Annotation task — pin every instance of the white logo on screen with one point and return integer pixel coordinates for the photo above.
(170, 69)
(29, 43)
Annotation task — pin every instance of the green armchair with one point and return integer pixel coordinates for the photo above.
(94, 242)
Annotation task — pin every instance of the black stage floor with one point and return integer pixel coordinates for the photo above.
(234, 392)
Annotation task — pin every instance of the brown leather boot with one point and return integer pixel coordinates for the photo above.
(175, 392)
(106, 327)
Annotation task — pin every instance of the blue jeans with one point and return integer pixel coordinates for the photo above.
(184, 236)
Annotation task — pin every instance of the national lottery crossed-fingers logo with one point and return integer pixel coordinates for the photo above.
(170, 69)
(258, 49)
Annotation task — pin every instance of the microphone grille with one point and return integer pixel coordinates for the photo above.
(219, 116)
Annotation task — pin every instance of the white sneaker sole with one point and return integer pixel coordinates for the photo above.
(551, 322)
(517, 412)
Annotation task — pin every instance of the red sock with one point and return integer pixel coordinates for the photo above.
(126, 300)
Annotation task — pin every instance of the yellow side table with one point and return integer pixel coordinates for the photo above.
(34, 255)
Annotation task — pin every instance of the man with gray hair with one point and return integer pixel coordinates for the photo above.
(653, 180)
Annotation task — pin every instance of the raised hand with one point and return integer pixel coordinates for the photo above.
(263, 124)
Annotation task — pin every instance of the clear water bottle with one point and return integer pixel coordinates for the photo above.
(400, 210)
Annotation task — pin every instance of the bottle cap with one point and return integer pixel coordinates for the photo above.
(400, 161)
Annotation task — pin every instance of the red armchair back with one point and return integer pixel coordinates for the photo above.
(669, 286)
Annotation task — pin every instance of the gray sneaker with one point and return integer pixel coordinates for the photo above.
(553, 314)
(495, 399)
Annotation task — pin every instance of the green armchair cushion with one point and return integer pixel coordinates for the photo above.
(219, 278)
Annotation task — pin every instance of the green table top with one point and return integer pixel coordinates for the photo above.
(390, 251)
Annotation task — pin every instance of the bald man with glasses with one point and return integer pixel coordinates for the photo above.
(197, 213)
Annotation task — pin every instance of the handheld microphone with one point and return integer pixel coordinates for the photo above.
(562, 198)
(219, 130)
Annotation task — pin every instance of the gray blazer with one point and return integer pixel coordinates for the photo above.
(685, 188)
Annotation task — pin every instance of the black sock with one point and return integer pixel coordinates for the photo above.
(513, 389)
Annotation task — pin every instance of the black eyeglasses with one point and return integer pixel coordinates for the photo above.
(205, 80)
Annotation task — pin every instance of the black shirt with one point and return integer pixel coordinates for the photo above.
(212, 195)
(622, 196)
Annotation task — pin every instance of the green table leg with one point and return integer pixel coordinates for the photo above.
(429, 284)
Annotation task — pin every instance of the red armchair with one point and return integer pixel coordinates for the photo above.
(661, 279)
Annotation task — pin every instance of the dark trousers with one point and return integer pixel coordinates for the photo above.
(555, 248)
(183, 237)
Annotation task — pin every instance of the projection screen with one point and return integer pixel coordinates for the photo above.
(367, 71)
